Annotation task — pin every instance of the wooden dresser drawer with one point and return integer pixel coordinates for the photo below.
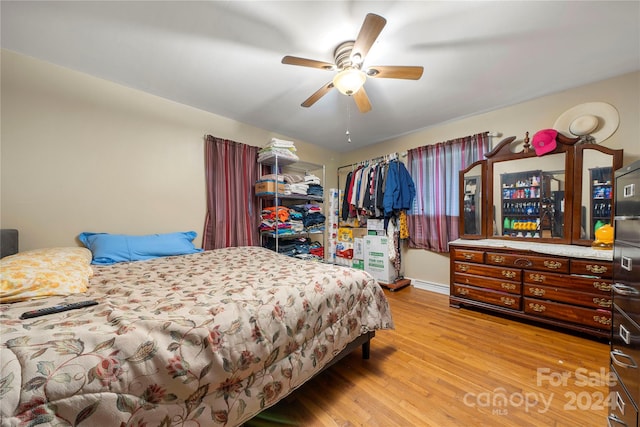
(591, 268)
(468, 255)
(513, 274)
(567, 295)
(489, 283)
(489, 296)
(596, 318)
(578, 283)
(535, 262)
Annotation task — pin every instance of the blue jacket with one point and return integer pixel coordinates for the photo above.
(399, 190)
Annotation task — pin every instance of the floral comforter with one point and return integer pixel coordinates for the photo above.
(203, 339)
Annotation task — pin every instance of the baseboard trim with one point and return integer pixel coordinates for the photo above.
(431, 286)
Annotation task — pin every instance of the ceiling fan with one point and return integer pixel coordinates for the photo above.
(348, 59)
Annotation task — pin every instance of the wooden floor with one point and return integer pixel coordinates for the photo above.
(444, 366)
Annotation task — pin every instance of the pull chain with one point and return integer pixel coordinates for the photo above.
(348, 122)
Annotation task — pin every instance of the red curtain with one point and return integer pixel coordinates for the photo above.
(231, 170)
(433, 220)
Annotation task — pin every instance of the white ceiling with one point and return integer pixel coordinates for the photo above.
(224, 56)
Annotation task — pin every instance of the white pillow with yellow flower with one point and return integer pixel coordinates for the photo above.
(44, 272)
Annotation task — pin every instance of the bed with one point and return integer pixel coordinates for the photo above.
(209, 338)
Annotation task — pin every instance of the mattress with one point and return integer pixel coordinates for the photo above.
(210, 338)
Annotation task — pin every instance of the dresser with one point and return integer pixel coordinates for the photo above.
(565, 286)
(625, 332)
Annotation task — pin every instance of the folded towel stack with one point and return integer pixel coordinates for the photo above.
(280, 148)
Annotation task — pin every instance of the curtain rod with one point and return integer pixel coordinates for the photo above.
(402, 154)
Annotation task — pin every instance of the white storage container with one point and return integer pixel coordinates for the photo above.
(376, 259)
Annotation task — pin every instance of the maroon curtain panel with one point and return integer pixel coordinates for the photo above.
(433, 220)
(231, 171)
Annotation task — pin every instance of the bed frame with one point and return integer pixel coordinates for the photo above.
(363, 340)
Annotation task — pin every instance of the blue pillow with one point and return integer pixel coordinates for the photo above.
(112, 248)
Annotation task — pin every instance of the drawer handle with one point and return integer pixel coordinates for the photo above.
(602, 286)
(537, 291)
(463, 291)
(497, 258)
(554, 265)
(509, 274)
(508, 286)
(620, 404)
(523, 262)
(615, 419)
(507, 301)
(467, 256)
(621, 289)
(602, 320)
(602, 302)
(624, 334)
(462, 267)
(628, 190)
(537, 277)
(597, 269)
(617, 353)
(537, 307)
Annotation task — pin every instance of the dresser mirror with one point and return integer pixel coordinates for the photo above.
(473, 201)
(593, 190)
(529, 198)
(560, 197)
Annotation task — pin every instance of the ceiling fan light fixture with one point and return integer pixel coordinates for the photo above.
(349, 80)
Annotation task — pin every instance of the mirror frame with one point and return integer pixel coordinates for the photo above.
(483, 201)
(616, 163)
(503, 152)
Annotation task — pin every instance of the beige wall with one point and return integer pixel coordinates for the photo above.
(83, 154)
(623, 92)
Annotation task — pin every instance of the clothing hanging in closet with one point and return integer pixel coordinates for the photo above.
(377, 190)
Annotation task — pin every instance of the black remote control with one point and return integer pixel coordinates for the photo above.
(57, 309)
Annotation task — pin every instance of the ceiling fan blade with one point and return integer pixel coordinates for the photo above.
(317, 95)
(362, 100)
(395, 72)
(371, 28)
(303, 62)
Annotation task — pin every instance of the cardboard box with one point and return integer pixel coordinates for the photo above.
(344, 250)
(358, 248)
(375, 224)
(359, 233)
(376, 259)
(343, 261)
(268, 186)
(345, 234)
(349, 234)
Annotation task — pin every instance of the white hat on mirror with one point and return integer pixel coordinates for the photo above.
(592, 122)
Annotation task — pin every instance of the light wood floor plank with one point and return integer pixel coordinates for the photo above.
(444, 366)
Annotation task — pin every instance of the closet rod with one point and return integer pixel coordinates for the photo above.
(389, 156)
